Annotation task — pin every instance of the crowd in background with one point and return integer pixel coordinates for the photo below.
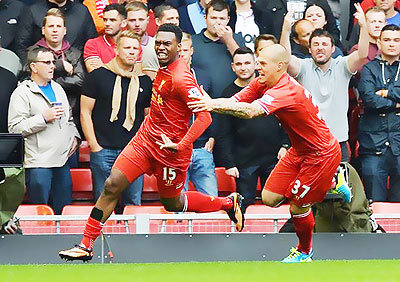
(63, 80)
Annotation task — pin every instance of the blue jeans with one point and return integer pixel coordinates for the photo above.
(201, 172)
(73, 160)
(101, 163)
(375, 172)
(49, 186)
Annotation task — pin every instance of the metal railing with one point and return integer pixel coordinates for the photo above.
(143, 221)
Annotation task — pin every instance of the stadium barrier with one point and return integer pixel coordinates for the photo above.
(168, 223)
(171, 223)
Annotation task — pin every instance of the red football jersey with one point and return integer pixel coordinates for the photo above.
(169, 113)
(294, 107)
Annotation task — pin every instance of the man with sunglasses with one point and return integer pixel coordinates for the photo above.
(39, 109)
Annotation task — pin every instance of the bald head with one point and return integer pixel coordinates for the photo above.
(272, 64)
(302, 31)
(275, 53)
(303, 23)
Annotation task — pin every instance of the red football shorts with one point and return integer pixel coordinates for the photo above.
(304, 179)
(135, 160)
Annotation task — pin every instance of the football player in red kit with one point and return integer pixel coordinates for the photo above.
(162, 146)
(304, 175)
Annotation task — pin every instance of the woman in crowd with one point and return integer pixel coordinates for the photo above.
(318, 16)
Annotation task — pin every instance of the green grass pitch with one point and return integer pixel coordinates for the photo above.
(321, 271)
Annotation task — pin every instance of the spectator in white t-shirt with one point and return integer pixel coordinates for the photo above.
(245, 18)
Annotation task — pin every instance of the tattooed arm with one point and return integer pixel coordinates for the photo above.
(237, 109)
(226, 106)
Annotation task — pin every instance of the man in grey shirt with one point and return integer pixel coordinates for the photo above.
(326, 78)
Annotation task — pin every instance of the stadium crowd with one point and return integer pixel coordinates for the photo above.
(70, 88)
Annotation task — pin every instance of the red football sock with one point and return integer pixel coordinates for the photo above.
(304, 224)
(199, 202)
(92, 231)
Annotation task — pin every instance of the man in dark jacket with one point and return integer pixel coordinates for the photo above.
(10, 14)
(69, 69)
(250, 147)
(379, 129)
(78, 22)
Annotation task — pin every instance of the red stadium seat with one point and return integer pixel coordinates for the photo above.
(226, 183)
(74, 227)
(82, 188)
(84, 152)
(150, 183)
(385, 207)
(156, 226)
(264, 225)
(77, 226)
(212, 225)
(36, 227)
(150, 188)
(390, 225)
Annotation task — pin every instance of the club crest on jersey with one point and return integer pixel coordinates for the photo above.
(194, 92)
(156, 97)
(267, 99)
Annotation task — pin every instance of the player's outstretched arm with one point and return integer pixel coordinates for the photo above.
(239, 109)
(226, 106)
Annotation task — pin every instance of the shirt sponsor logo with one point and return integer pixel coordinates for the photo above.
(267, 99)
(194, 92)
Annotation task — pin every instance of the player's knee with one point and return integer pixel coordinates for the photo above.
(113, 187)
(270, 199)
(268, 202)
(110, 188)
(266, 199)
